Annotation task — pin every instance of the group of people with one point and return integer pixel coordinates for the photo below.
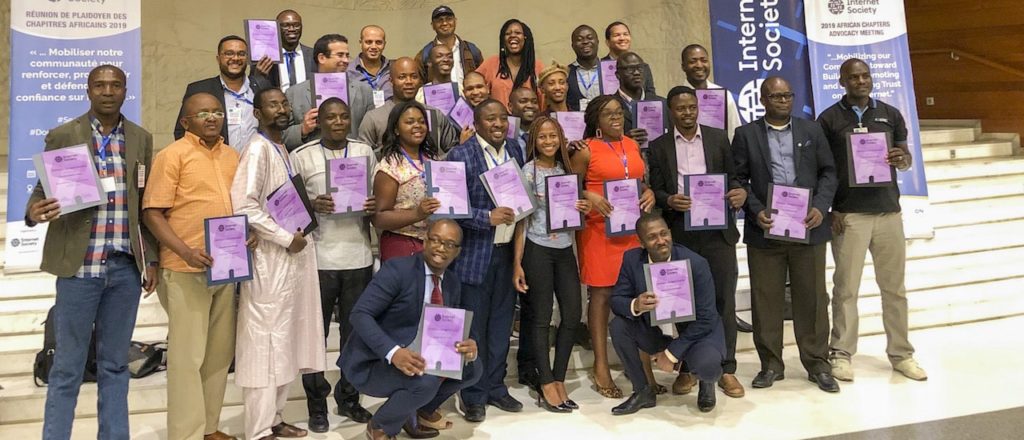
(242, 136)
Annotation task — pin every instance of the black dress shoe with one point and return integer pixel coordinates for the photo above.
(766, 378)
(353, 411)
(474, 413)
(506, 403)
(571, 404)
(743, 326)
(529, 378)
(825, 382)
(318, 423)
(415, 430)
(637, 401)
(706, 396)
(560, 408)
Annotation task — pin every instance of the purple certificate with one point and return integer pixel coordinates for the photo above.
(708, 208)
(289, 206)
(624, 196)
(264, 39)
(507, 188)
(672, 283)
(225, 243)
(561, 193)
(712, 107)
(572, 124)
(462, 114)
(867, 154)
(440, 329)
(329, 85)
(441, 96)
(609, 82)
(788, 206)
(513, 128)
(69, 175)
(650, 116)
(446, 182)
(348, 183)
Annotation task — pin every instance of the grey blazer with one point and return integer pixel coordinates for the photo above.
(360, 101)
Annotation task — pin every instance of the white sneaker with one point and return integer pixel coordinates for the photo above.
(842, 369)
(909, 368)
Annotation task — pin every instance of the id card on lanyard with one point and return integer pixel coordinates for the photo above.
(378, 95)
(107, 181)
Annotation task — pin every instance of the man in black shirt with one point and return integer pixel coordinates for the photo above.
(867, 219)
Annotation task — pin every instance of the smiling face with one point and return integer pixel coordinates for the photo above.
(196, 107)
(554, 87)
(444, 240)
(656, 239)
(290, 24)
(441, 61)
(548, 142)
(444, 26)
(372, 42)
(405, 78)
(337, 58)
(620, 40)
(523, 104)
(335, 122)
(683, 111)
(696, 65)
(584, 43)
(233, 58)
(474, 88)
(412, 127)
(106, 91)
(855, 77)
(492, 123)
(514, 39)
(609, 120)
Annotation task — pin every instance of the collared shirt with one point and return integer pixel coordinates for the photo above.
(380, 81)
(629, 100)
(343, 243)
(300, 68)
(242, 123)
(428, 290)
(457, 73)
(588, 77)
(494, 157)
(521, 137)
(689, 155)
(731, 109)
(780, 145)
(192, 182)
(110, 231)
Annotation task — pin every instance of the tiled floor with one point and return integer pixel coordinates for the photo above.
(973, 368)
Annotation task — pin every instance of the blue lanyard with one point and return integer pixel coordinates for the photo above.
(238, 96)
(413, 164)
(372, 80)
(586, 86)
(622, 156)
(287, 165)
(494, 160)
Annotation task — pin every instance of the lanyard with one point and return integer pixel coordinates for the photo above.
(287, 165)
(240, 97)
(372, 80)
(494, 160)
(102, 150)
(413, 164)
(584, 83)
(622, 156)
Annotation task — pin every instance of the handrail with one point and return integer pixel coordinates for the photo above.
(955, 55)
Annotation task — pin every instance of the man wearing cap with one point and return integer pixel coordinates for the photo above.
(466, 55)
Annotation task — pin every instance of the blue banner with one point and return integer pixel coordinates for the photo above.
(752, 40)
(876, 32)
(54, 45)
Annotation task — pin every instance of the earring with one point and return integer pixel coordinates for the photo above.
(598, 133)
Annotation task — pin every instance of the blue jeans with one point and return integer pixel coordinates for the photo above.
(110, 304)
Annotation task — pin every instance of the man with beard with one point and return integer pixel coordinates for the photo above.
(299, 62)
(466, 56)
(234, 91)
(697, 66)
(585, 72)
(372, 67)
(280, 328)
(522, 103)
(332, 56)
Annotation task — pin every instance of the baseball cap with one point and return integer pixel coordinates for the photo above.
(441, 10)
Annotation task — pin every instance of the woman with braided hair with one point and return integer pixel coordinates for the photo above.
(515, 65)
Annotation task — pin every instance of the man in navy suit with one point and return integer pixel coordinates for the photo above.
(785, 150)
(701, 343)
(486, 260)
(386, 320)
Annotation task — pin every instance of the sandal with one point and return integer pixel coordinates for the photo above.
(659, 389)
(440, 424)
(612, 392)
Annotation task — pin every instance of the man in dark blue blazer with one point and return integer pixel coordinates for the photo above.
(485, 264)
(386, 319)
(701, 343)
(782, 149)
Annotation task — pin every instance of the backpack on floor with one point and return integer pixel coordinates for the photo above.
(44, 358)
(145, 359)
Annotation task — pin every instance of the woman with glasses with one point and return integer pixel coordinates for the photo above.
(609, 155)
(402, 203)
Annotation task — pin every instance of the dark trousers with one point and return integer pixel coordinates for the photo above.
(493, 305)
(551, 273)
(407, 394)
(339, 288)
(630, 336)
(805, 265)
(721, 257)
(526, 359)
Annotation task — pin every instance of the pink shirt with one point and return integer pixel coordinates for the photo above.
(689, 156)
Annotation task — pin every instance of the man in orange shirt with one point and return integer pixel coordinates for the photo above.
(190, 181)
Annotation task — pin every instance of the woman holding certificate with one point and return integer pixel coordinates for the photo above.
(612, 170)
(402, 202)
(543, 249)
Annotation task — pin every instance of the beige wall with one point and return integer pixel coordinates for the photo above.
(179, 37)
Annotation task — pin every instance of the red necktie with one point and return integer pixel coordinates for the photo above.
(435, 295)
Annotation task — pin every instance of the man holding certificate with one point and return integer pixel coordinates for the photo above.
(380, 358)
(190, 182)
(644, 112)
(98, 254)
(785, 165)
(696, 65)
(637, 302)
(280, 329)
(336, 175)
(695, 185)
(868, 135)
(485, 264)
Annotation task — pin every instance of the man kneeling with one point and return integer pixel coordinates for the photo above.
(701, 343)
(385, 320)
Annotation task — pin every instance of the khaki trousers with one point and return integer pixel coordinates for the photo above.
(882, 234)
(201, 345)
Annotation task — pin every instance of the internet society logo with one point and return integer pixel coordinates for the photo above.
(749, 101)
(836, 7)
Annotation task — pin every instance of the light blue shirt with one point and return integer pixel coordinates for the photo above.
(239, 117)
(780, 144)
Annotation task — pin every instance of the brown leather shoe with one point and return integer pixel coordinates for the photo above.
(731, 386)
(684, 383)
(285, 430)
(373, 433)
(217, 435)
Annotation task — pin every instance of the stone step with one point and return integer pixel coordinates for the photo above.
(962, 150)
(27, 316)
(940, 171)
(972, 212)
(976, 188)
(945, 135)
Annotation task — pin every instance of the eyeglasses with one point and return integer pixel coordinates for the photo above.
(448, 245)
(239, 54)
(634, 68)
(207, 115)
(781, 97)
